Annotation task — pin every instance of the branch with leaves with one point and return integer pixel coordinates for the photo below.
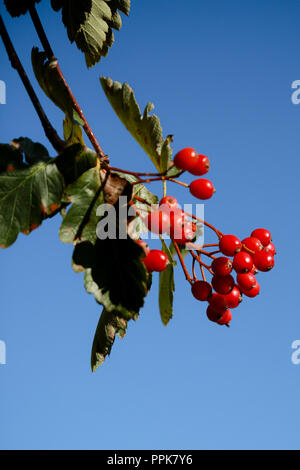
(79, 180)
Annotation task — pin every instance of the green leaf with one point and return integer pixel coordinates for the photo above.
(90, 23)
(27, 196)
(117, 268)
(166, 288)
(11, 158)
(108, 326)
(166, 153)
(102, 296)
(137, 226)
(146, 128)
(49, 80)
(34, 152)
(54, 87)
(85, 196)
(72, 132)
(17, 8)
(74, 161)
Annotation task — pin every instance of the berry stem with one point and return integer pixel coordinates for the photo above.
(188, 277)
(198, 249)
(178, 182)
(202, 270)
(193, 270)
(141, 200)
(201, 262)
(164, 188)
(161, 178)
(137, 173)
(218, 233)
(245, 248)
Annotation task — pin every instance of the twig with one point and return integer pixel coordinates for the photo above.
(50, 132)
(188, 277)
(47, 48)
(201, 262)
(218, 233)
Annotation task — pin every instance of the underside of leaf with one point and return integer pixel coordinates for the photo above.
(145, 129)
(90, 23)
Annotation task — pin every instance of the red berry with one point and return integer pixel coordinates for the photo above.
(201, 167)
(253, 244)
(168, 201)
(212, 315)
(271, 248)
(144, 245)
(218, 302)
(223, 284)
(263, 260)
(253, 292)
(221, 266)
(242, 262)
(186, 158)
(246, 281)
(201, 290)
(185, 233)
(225, 318)
(229, 245)
(158, 221)
(263, 235)
(202, 188)
(156, 260)
(234, 298)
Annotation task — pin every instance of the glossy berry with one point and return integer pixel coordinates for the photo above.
(218, 302)
(263, 235)
(221, 266)
(185, 233)
(229, 245)
(168, 201)
(212, 315)
(202, 166)
(144, 245)
(225, 318)
(253, 244)
(271, 248)
(158, 221)
(156, 260)
(253, 292)
(202, 188)
(177, 220)
(234, 298)
(223, 284)
(201, 290)
(242, 262)
(246, 281)
(263, 260)
(186, 158)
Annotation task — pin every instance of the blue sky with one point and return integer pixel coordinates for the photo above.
(219, 74)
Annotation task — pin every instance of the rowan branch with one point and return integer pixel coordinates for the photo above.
(50, 55)
(50, 132)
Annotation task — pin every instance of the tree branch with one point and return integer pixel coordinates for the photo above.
(48, 50)
(50, 132)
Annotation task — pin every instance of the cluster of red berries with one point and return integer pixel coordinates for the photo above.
(253, 254)
(167, 218)
(189, 160)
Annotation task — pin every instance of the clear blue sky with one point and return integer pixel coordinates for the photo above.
(220, 75)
